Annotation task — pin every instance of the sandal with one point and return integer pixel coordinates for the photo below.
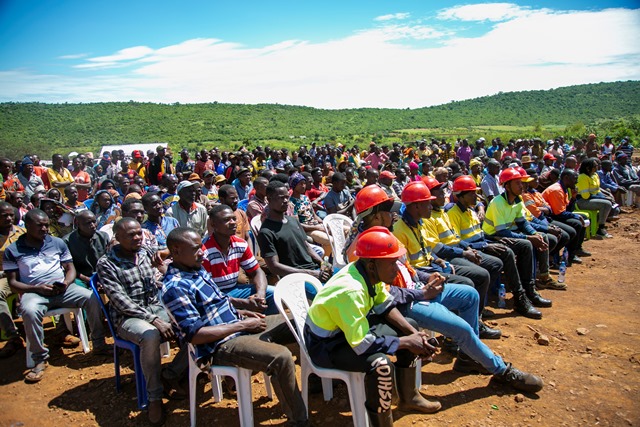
(36, 373)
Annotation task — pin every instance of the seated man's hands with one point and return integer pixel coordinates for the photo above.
(418, 343)
(50, 289)
(253, 322)
(538, 242)
(255, 303)
(471, 255)
(434, 286)
(166, 332)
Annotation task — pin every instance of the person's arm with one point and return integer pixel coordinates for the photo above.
(280, 269)
(346, 210)
(395, 318)
(309, 228)
(45, 289)
(253, 323)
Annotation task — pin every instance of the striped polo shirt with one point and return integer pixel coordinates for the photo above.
(224, 268)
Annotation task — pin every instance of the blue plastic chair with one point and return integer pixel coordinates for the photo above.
(141, 384)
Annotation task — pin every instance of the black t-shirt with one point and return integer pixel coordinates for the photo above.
(288, 241)
(86, 252)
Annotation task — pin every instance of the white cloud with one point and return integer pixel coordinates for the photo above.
(74, 56)
(128, 54)
(379, 67)
(389, 17)
(484, 12)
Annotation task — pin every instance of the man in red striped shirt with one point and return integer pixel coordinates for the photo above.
(225, 254)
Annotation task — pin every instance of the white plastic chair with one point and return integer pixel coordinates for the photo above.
(82, 330)
(242, 378)
(290, 292)
(334, 225)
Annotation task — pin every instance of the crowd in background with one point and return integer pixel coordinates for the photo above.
(476, 214)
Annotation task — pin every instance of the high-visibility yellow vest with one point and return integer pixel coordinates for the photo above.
(466, 223)
(419, 241)
(501, 215)
(446, 233)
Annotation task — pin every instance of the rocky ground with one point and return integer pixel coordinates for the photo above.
(586, 348)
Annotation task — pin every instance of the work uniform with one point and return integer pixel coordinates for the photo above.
(346, 329)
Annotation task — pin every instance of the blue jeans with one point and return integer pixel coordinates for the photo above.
(245, 291)
(463, 329)
(148, 337)
(34, 306)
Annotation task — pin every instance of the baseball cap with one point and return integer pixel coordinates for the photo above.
(549, 156)
(207, 173)
(387, 174)
(186, 184)
(136, 154)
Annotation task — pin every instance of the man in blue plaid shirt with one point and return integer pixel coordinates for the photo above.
(221, 334)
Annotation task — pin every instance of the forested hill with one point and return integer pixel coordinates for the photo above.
(48, 126)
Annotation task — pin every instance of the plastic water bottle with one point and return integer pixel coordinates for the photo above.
(562, 271)
(502, 295)
(565, 258)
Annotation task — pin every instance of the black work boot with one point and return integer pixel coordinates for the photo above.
(410, 399)
(486, 333)
(535, 298)
(467, 365)
(522, 305)
(519, 380)
(383, 419)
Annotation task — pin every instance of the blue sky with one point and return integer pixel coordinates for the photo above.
(329, 54)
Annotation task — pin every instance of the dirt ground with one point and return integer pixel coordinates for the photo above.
(590, 379)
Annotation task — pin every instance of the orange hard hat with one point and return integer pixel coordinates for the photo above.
(370, 196)
(432, 182)
(523, 174)
(416, 191)
(464, 183)
(378, 242)
(509, 174)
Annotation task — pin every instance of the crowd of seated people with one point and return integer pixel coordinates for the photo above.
(436, 228)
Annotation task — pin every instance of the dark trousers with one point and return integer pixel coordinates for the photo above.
(378, 368)
(520, 274)
(563, 239)
(259, 352)
(576, 232)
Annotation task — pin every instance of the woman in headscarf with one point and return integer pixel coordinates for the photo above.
(105, 208)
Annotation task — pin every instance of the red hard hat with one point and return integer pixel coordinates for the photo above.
(464, 183)
(378, 242)
(509, 174)
(523, 173)
(370, 196)
(416, 191)
(432, 182)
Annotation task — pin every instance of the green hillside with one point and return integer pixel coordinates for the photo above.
(45, 128)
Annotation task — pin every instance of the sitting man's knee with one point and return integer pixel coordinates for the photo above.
(150, 336)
